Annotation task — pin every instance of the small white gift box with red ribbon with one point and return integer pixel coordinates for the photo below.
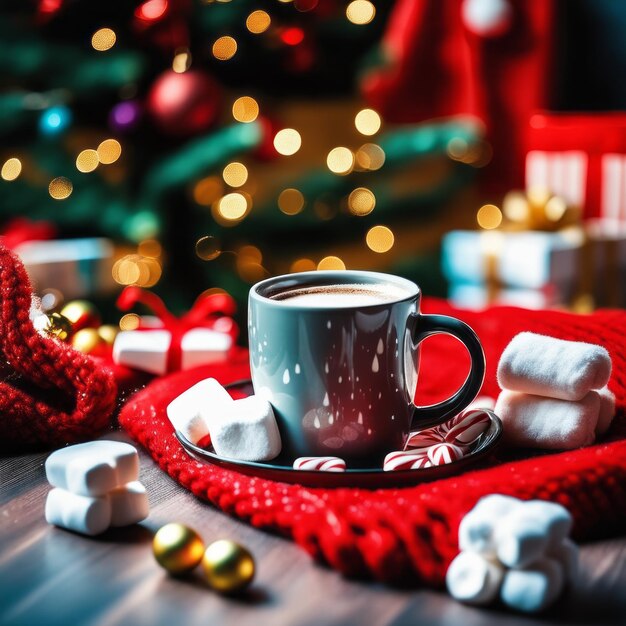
(204, 335)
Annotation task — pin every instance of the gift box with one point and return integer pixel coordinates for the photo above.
(77, 268)
(475, 297)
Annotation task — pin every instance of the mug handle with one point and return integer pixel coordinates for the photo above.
(428, 325)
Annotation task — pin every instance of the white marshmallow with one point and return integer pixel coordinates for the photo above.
(556, 519)
(82, 514)
(476, 531)
(473, 579)
(191, 410)
(93, 468)
(567, 554)
(129, 504)
(532, 589)
(145, 350)
(545, 366)
(607, 410)
(245, 430)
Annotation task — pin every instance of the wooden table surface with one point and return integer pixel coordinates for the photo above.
(49, 576)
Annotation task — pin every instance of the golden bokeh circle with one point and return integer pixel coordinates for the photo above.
(360, 12)
(103, 39)
(181, 61)
(235, 174)
(290, 201)
(150, 247)
(340, 160)
(60, 188)
(258, 22)
(489, 216)
(11, 169)
(224, 48)
(109, 151)
(380, 239)
(245, 109)
(232, 206)
(87, 161)
(130, 321)
(287, 141)
(302, 265)
(361, 201)
(208, 190)
(331, 263)
(370, 156)
(367, 122)
(208, 248)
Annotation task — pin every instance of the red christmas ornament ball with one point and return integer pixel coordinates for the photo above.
(184, 104)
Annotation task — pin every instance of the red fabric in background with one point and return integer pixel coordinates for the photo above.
(410, 535)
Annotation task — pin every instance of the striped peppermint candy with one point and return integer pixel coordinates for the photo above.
(406, 460)
(320, 463)
(466, 427)
(444, 453)
(424, 438)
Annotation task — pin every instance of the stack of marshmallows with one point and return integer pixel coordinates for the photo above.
(513, 550)
(95, 487)
(554, 392)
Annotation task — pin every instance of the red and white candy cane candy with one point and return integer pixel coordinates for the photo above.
(320, 463)
(406, 460)
(467, 426)
(443, 453)
(424, 438)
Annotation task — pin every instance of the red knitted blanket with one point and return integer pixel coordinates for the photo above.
(410, 535)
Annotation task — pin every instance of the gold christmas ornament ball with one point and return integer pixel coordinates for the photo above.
(55, 325)
(108, 332)
(177, 548)
(87, 341)
(82, 314)
(228, 566)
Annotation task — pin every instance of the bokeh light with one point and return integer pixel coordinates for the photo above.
(380, 239)
(370, 157)
(555, 208)
(232, 206)
(292, 36)
(360, 12)
(249, 267)
(489, 216)
(208, 190)
(208, 248)
(287, 141)
(258, 22)
(60, 188)
(290, 201)
(130, 321)
(224, 48)
(302, 265)
(245, 109)
(103, 39)
(151, 10)
(235, 174)
(361, 201)
(109, 151)
(367, 122)
(150, 248)
(87, 161)
(11, 169)
(515, 206)
(331, 263)
(136, 269)
(340, 160)
(55, 120)
(181, 61)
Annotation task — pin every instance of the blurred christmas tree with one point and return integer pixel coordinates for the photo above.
(220, 142)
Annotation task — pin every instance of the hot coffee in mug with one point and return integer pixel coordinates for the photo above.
(337, 355)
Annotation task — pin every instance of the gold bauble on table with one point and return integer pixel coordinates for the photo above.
(54, 324)
(177, 548)
(82, 314)
(228, 566)
(87, 341)
(108, 332)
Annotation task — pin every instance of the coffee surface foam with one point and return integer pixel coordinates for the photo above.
(341, 296)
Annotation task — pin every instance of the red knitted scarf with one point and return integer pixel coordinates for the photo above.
(50, 394)
(410, 535)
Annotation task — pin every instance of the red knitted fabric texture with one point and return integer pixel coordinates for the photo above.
(50, 394)
(410, 535)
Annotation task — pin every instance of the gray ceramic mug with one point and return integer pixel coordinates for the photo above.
(342, 380)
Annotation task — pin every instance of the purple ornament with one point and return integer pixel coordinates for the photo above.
(125, 115)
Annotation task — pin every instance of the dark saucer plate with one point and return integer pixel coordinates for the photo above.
(279, 470)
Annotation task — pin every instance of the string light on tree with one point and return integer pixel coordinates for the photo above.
(361, 201)
(109, 151)
(287, 141)
(380, 239)
(367, 122)
(235, 174)
(60, 188)
(208, 248)
(11, 169)
(331, 263)
(290, 201)
(489, 216)
(103, 39)
(340, 160)
(258, 22)
(87, 161)
(360, 12)
(245, 109)
(224, 48)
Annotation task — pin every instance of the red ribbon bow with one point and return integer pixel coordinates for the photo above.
(212, 311)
